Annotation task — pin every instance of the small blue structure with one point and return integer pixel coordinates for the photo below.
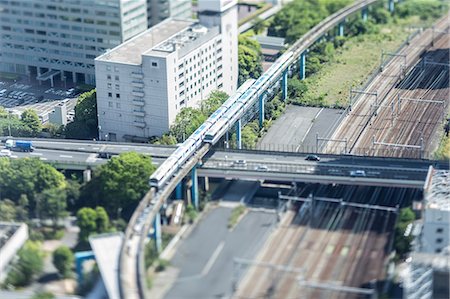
(364, 14)
(284, 85)
(157, 233)
(261, 110)
(179, 190)
(341, 29)
(391, 6)
(80, 258)
(194, 187)
(302, 66)
(238, 134)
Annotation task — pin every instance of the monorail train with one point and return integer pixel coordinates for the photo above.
(188, 148)
(220, 121)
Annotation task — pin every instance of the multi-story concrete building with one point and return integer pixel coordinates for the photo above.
(143, 83)
(159, 10)
(436, 215)
(59, 39)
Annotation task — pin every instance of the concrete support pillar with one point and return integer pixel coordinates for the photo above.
(284, 85)
(51, 81)
(341, 29)
(74, 77)
(206, 180)
(79, 269)
(364, 14)
(179, 190)
(302, 67)
(87, 175)
(227, 140)
(391, 6)
(194, 187)
(238, 134)
(261, 110)
(157, 229)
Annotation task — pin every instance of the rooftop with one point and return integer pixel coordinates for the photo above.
(438, 195)
(165, 38)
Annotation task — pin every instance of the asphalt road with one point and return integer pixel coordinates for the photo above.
(290, 128)
(205, 258)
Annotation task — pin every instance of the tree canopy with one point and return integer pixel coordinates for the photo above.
(85, 124)
(298, 16)
(249, 57)
(29, 264)
(119, 184)
(63, 259)
(29, 177)
(31, 120)
(92, 221)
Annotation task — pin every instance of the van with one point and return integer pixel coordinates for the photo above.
(358, 173)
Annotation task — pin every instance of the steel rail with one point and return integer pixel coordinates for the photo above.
(132, 285)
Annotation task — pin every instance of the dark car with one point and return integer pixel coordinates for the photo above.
(312, 158)
(105, 155)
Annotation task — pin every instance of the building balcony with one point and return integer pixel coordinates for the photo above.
(139, 113)
(139, 123)
(138, 84)
(137, 93)
(137, 75)
(138, 102)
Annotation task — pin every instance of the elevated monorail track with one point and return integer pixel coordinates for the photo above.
(131, 272)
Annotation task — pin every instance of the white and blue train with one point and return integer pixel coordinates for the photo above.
(220, 121)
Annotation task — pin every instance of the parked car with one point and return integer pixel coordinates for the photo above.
(312, 158)
(359, 173)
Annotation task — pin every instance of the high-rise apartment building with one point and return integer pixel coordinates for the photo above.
(59, 39)
(143, 83)
(159, 10)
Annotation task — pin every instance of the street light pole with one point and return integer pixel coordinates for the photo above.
(9, 123)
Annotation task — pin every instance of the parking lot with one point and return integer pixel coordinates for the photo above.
(24, 93)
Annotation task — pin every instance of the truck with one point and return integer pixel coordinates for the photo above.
(19, 145)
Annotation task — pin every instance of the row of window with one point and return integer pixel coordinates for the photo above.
(111, 105)
(117, 94)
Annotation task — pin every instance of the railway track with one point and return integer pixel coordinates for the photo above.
(339, 245)
(385, 119)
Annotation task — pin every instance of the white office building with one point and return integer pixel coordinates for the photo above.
(427, 273)
(59, 39)
(159, 10)
(143, 83)
(436, 214)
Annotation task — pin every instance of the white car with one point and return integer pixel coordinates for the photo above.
(5, 153)
(359, 173)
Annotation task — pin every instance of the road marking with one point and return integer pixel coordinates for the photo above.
(213, 258)
(43, 159)
(309, 129)
(81, 148)
(65, 156)
(36, 154)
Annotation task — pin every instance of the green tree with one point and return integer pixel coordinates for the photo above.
(186, 122)
(52, 204)
(102, 220)
(249, 58)
(43, 295)
(213, 102)
(92, 221)
(87, 222)
(31, 120)
(166, 139)
(7, 210)
(29, 264)
(63, 260)
(258, 25)
(119, 185)
(85, 124)
(28, 176)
